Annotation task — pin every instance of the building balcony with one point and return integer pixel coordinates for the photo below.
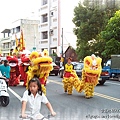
(6, 40)
(43, 10)
(43, 43)
(53, 42)
(5, 49)
(43, 26)
(54, 5)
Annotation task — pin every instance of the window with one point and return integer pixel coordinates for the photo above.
(6, 45)
(9, 45)
(13, 30)
(44, 18)
(3, 46)
(54, 39)
(45, 35)
(13, 43)
(17, 29)
(44, 42)
(51, 31)
(44, 2)
(43, 49)
(51, 13)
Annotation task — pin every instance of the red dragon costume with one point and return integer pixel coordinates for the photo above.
(25, 63)
(14, 73)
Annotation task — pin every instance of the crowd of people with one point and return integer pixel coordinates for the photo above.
(11, 68)
(14, 68)
(34, 69)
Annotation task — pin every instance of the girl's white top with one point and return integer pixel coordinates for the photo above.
(34, 103)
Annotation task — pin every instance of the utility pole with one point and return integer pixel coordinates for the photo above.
(62, 42)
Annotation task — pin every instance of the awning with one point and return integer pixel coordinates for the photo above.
(6, 31)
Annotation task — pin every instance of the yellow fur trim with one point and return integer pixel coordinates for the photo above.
(33, 55)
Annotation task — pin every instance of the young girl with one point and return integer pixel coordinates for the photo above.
(32, 99)
(68, 76)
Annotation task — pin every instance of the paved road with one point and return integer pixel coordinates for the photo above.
(105, 105)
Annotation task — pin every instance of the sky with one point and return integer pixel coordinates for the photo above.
(12, 10)
(67, 8)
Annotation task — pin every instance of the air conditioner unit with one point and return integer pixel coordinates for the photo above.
(51, 31)
(51, 13)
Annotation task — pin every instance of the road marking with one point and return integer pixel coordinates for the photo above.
(55, 82)
(107, 97)
(113, 83)
(14, 93)
(97, 94)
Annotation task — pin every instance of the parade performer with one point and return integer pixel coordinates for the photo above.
(68, 76)
(90, 75)
(25, 63)
(14, 72)
(41, 65)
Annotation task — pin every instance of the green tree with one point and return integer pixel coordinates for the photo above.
(111, 36)
(89, 22)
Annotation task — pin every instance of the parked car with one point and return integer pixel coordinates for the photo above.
(55, 70)
(78, 66)
(103, 77)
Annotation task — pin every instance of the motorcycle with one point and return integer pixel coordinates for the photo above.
(4, 96)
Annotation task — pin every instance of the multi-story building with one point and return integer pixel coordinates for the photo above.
(30, 32)
(49, 27)
(5, 42)
(30, 35)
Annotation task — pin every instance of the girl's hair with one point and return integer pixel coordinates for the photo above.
(69, 58)
(5, 63)
(35, 79)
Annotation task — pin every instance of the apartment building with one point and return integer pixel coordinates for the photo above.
(49, 27)
(30, 34)
(5, 42)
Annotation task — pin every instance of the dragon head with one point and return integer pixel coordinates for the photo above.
(40, 63)
(44, 62)
(13, 61)
(92, 65)
(25, 60)
(33, 55)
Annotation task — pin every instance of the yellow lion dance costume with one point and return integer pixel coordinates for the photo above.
(69, 76)
(41, 65)
(90, 75)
